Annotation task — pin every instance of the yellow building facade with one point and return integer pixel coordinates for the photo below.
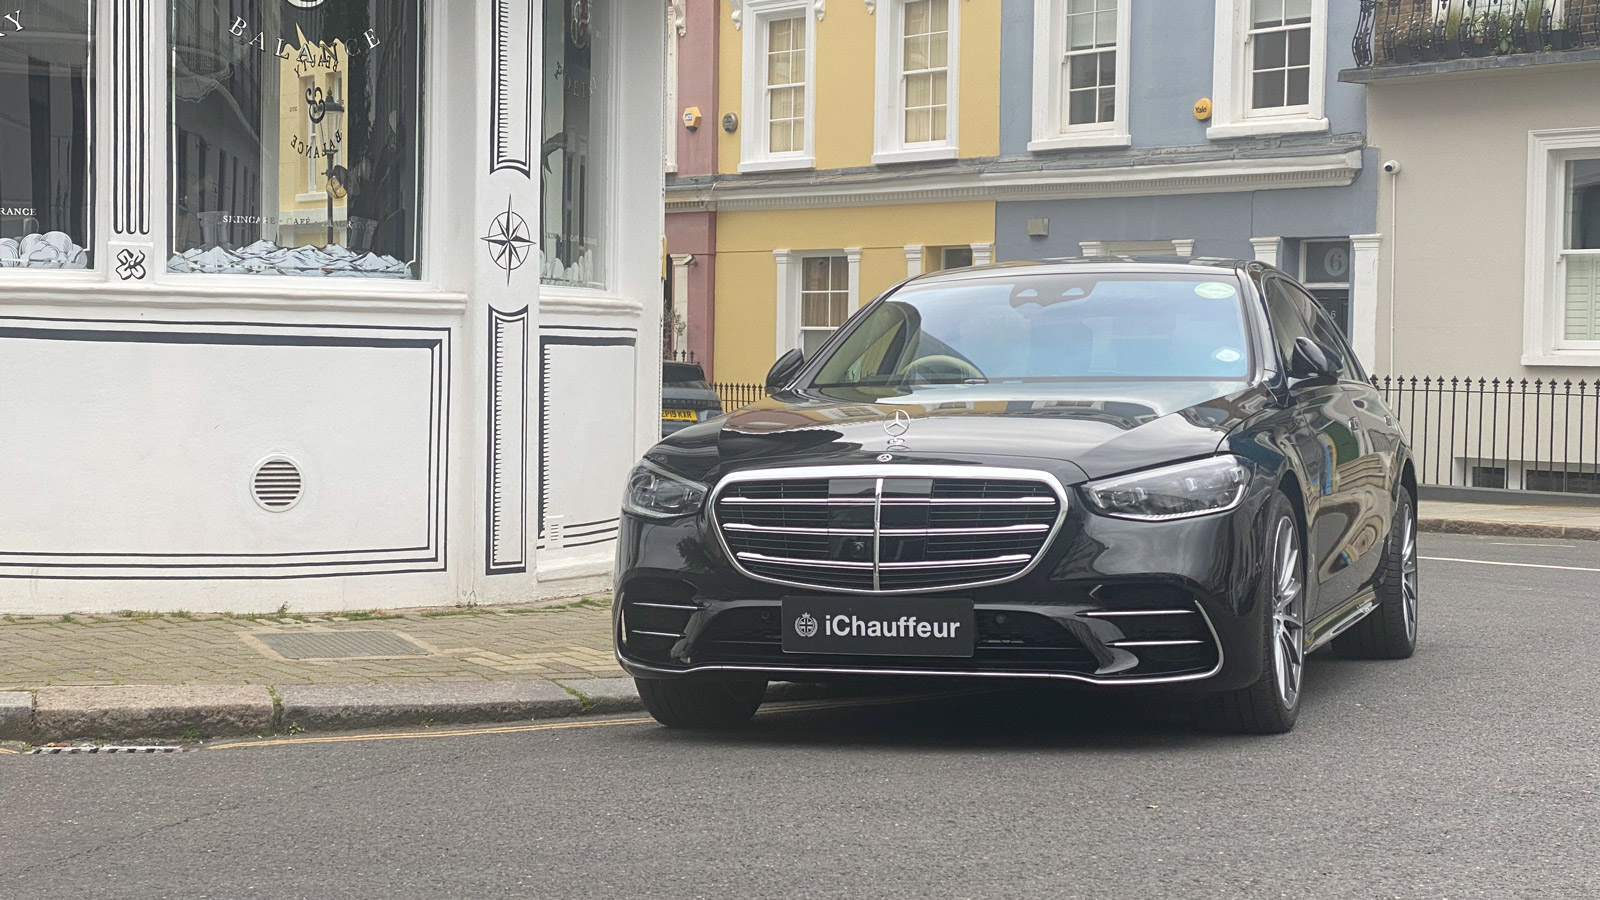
(831, 124)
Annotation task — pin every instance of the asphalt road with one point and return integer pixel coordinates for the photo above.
(1468, 771)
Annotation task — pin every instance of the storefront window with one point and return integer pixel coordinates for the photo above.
(576, 83)
(295, 137)
(45, 211)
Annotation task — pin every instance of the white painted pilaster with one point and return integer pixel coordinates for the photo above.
(1091, 248)
(852, 257)
(788, 315)
(982, 254)
(913, 261)
(1364, 253)
(1183, 248)
(1266, 249)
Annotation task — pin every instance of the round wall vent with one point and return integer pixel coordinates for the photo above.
(277, 484)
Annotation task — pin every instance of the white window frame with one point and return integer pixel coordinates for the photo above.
(790, 268)
(889, 144)
(753, 153)
(1050, 132)
(1231, 115)
(1544, 301)
(670, 151)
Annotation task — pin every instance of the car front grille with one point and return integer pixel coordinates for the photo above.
(887, 529)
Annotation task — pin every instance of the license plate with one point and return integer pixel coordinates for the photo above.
(678, 415)
(878, 626)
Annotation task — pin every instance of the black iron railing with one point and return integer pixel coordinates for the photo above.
(1539, 435)
(1404, 32)
(737, 396)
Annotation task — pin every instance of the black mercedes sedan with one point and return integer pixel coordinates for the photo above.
(1115, 472)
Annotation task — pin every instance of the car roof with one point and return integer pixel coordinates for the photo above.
(1093, 264)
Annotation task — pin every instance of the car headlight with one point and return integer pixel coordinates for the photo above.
(1175, 492)
(658, 494)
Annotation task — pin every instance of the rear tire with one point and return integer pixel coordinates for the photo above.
(699, 703)
(1272, 704)
(1390, 631)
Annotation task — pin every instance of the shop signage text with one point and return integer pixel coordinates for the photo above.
(241, 32)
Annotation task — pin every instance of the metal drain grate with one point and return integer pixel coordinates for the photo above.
(277, 484)
(338, 644)
(105, 748)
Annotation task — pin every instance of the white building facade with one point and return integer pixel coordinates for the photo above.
(338, 304)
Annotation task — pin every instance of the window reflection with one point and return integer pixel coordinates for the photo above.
(573, 199)
(295, 137)
(45, 211)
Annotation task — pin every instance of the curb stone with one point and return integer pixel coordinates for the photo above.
(1507, 529)
(16, 715)
(123, 712)
(605, 695)
(329, 707)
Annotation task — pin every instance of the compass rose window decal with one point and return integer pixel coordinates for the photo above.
(509, 241)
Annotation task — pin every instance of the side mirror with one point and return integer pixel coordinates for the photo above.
(784, 370)
(1309, 360)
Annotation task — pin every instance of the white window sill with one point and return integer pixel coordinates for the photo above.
(1562, 358)
(1079, 142)
(916, 154)
(313, 197)
(781, 164)
(1266, 128)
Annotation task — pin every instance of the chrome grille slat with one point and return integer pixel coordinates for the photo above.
(901, 528)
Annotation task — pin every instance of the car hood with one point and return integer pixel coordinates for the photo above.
(1100, 428)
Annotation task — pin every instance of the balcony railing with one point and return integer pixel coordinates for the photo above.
(1406, 32)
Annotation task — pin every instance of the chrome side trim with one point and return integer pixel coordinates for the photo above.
(1183, 643)
(1343, 624)
(664, 605)
(665, 634)
(889, 470)
(632, 666)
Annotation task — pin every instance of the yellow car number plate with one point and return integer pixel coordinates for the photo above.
(678, 415)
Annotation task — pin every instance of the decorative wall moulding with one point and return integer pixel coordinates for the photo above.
(821, 7)
(975, 183)
(738, 14)
(677, 17)
(872, 7)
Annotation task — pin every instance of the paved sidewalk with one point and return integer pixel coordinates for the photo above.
(449, 645)
(1578, 522)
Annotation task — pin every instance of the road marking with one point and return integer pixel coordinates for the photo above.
(800, 706)
(406, 735)
(1488, 562)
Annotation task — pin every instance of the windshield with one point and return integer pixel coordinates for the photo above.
(1043, 328)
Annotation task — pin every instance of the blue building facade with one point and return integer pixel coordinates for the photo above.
(1196, 127)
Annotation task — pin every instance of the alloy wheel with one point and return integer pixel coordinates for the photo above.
(1288, 626)
(1408, 577)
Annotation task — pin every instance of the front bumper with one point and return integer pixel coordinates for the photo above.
(1112, 602)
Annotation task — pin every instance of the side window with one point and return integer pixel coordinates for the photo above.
(1326, 333)
(1285, 314)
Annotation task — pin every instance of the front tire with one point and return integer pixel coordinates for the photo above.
(1272, 704)
(701, 703)
(1390, 631)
